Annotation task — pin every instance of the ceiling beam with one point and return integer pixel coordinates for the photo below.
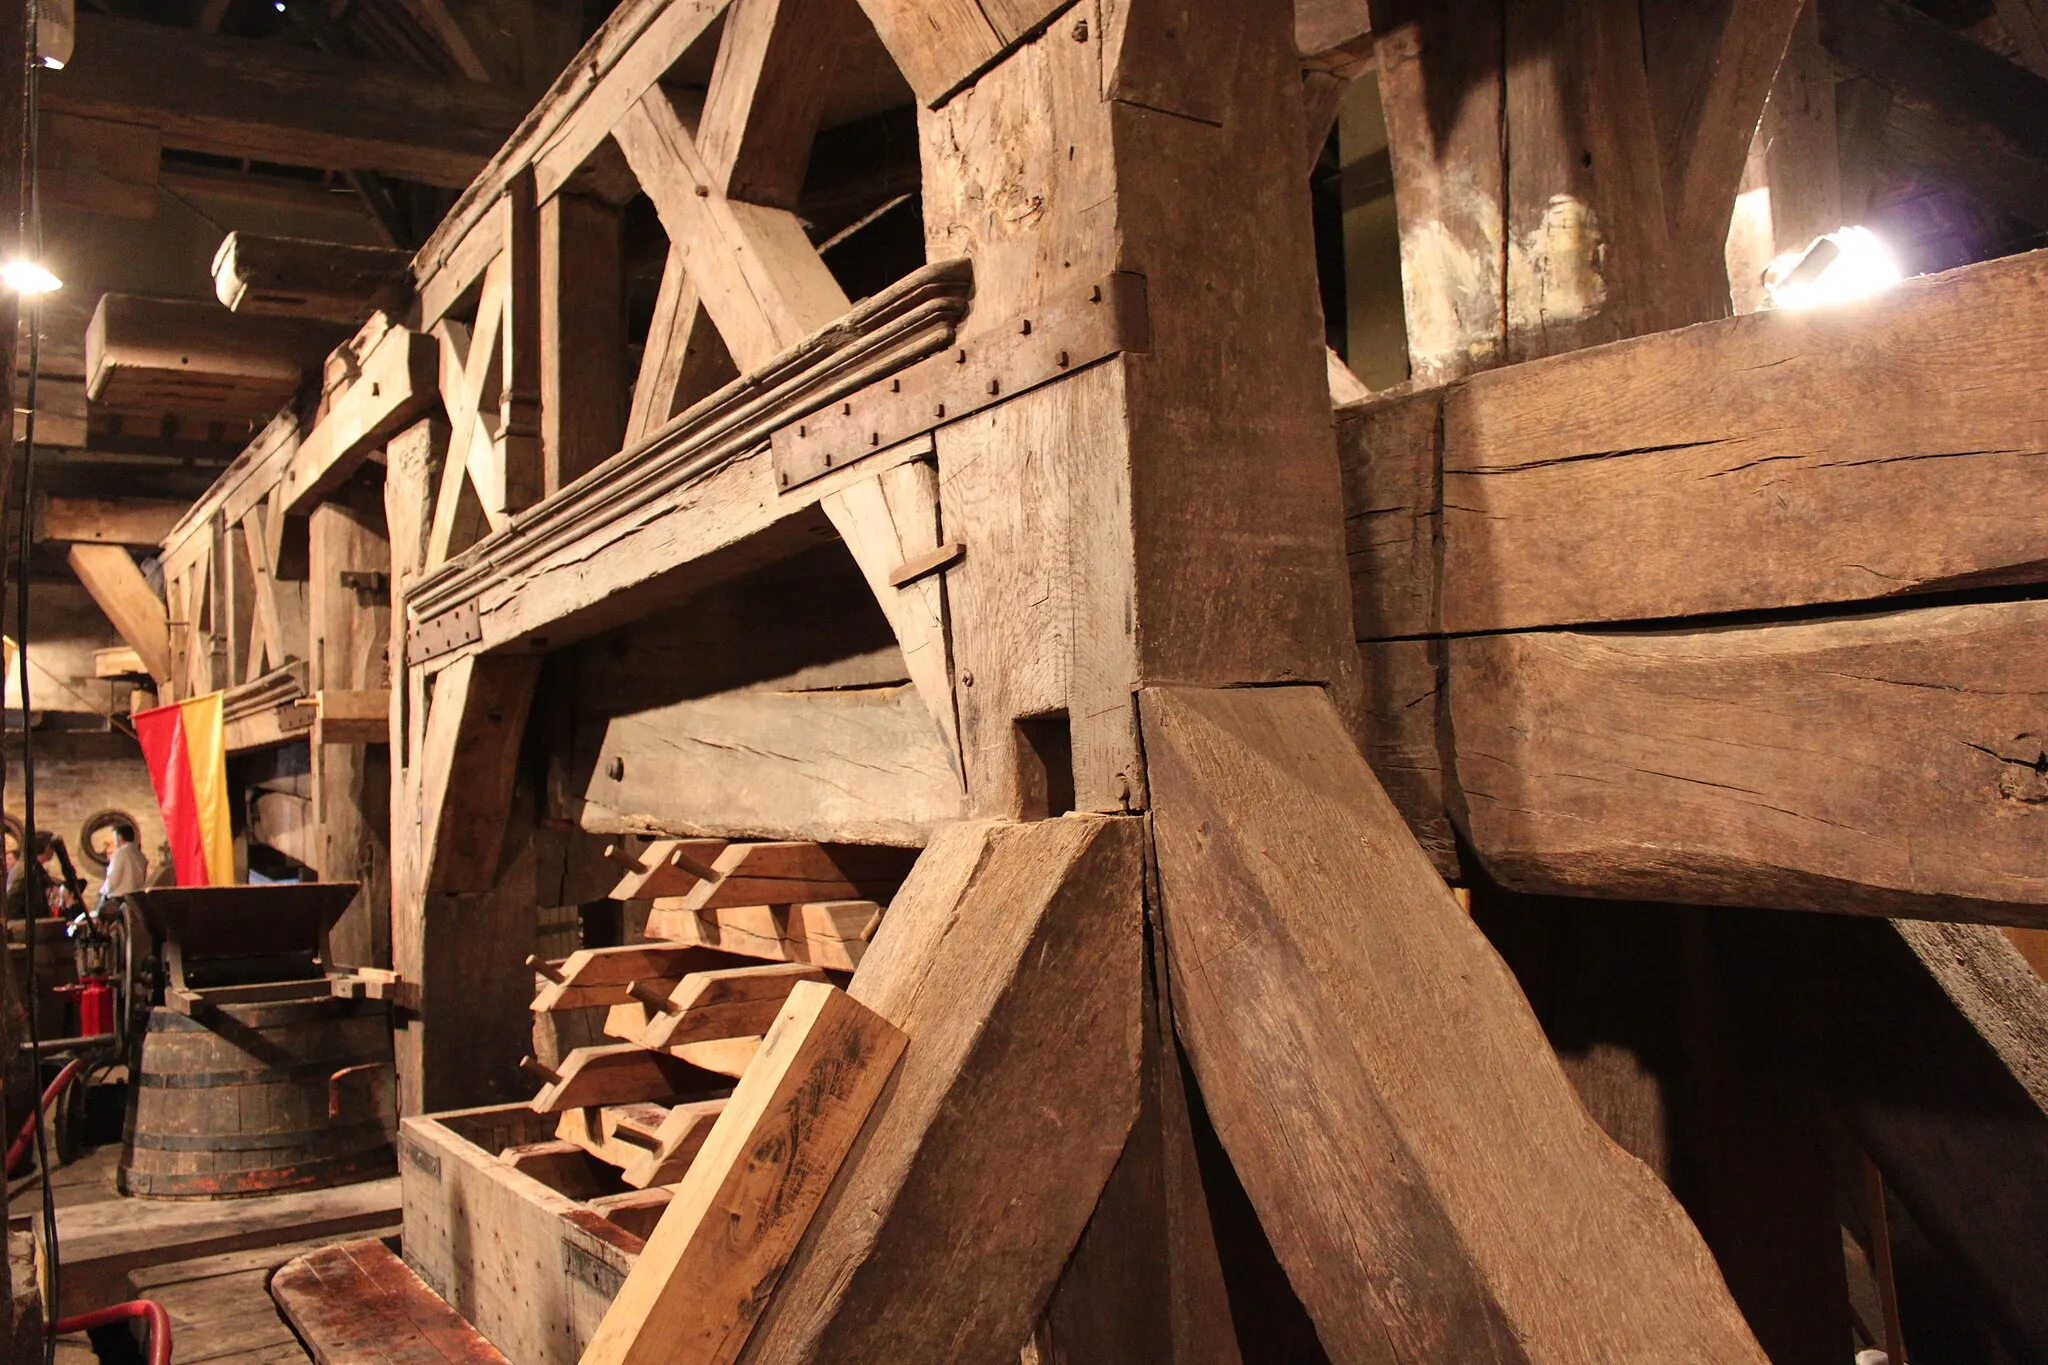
(289, 105)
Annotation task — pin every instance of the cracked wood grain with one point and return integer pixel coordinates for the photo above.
(1890, 764)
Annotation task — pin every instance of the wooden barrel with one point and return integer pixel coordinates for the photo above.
(237, 1100)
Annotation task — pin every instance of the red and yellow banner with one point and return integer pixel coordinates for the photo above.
(185, 746)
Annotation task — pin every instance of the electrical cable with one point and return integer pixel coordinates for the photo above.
(31, 229)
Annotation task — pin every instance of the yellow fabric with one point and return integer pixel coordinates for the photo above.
(206, 750)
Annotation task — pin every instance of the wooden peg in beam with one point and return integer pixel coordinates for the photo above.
(665, 867)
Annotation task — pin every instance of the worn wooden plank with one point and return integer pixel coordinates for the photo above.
(788, 872)
(399, 380)
(647, 1153)
(696, 1292)
(1875, 765)
(829, 934)
(125, 596)
(600, 976)
(1013, 961)
(1458, 1203)
(358, 1304)
(850, 765)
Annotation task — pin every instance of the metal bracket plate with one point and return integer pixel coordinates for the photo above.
(976, 372)
(444, 634)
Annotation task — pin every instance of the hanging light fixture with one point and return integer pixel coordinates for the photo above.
(56, 31)
(1849, 263)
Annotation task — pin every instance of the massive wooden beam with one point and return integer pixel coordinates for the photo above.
(1885, 765)
(1013, 960)
(1421, 1165)
(757, 273)
(941, 47)
(290, 105)
(150, 357)
(1874, 449)
(125, 596)
(106, 521)
(291, 277)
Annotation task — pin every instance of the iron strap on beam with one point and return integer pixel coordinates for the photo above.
(978, 371)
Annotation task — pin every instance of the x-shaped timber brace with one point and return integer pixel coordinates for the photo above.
(1083, 461)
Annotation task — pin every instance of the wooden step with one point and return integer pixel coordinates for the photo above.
(358, 1304)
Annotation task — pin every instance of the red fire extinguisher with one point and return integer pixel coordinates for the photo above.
(95, 1005)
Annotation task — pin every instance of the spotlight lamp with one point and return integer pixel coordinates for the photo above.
(1849, 263)
(26, 277)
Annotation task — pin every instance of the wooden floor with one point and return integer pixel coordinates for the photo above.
(208, 1263)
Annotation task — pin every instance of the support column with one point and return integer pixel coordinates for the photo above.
(582, 338)
(349, 609)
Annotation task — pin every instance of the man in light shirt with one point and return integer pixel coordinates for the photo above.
(127, 869)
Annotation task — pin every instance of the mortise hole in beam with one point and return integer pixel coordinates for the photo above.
(1045, 765)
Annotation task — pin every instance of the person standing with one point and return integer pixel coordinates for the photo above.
(127, 868)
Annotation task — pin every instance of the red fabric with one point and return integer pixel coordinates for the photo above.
(161, 732)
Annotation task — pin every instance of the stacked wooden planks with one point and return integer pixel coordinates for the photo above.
(736, 929)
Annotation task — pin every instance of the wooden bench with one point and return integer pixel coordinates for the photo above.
(357, 1303)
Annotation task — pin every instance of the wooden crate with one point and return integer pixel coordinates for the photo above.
(531, 1266)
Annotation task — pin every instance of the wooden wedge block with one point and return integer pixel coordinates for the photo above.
(829, 934)
(622, 1073)
(665, 867)
(728, 1055)
(602, 976)
(696, 1291)
(637, 1211)
(737, 1002)
(790, 873)
(649, 1144)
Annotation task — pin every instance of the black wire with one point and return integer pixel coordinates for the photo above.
(33, 897)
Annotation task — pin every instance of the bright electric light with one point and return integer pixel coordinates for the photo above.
(1849, 263)
(26, 277)
(53, 64)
